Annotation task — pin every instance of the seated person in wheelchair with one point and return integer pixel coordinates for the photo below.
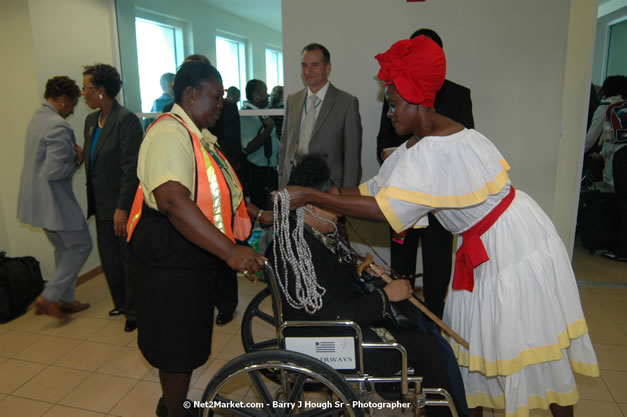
(324, 269)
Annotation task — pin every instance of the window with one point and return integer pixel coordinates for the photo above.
(274, 68)
(159, 50)
(231, 62)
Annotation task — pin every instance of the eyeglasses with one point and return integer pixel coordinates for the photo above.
(85, 88)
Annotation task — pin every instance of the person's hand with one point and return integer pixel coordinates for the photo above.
(268, 124)
(246, 260)
(398, 290)
(79, 158)
(298, 196)
(120, 218)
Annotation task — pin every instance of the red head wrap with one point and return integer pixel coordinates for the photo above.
(416, 67)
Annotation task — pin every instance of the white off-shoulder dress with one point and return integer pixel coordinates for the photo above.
(523, 320)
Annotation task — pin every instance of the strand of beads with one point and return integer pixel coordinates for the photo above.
(307, 292)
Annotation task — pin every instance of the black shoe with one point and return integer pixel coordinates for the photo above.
(389, 391)
(116, 312)
(611, 255)
(130, 325)
(223, 318)
(162, 409)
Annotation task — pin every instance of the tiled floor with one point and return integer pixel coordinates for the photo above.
(90, 367)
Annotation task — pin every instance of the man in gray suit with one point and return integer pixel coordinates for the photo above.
(46, 198)
(321, 119)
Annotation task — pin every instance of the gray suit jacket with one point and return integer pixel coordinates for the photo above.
(46, 197)
(336, 135)
(112, 180)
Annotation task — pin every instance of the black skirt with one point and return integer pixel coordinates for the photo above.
(173, 281)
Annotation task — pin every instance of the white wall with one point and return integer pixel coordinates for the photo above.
(511, 54)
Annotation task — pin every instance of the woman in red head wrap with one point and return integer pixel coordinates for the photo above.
(513, 296)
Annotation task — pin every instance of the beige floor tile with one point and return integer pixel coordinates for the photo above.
(152, 375)
(81, 327)
(219, 342)
(113, 333)
(88, 356)
(3, 329)
(99, 393)
(48, 349)
(32, 322)
(606, 332)
(623, 408)
(198, 372)
(52, 384)
(232, 327)
(63, 411)
(13, 342)
(616, 381)
(232, 349)
(597, 408)
(141, 401)
(22, 407)
(592, 388)
(101, 310)
(208, 373)
(127, 362)
(611, 356)
(14, 373)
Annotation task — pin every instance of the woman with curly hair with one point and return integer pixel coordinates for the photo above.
(46, 198)
(112, 138)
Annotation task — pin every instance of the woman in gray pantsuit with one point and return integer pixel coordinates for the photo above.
(46, 197)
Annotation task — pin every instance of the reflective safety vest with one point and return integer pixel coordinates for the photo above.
(212, 196)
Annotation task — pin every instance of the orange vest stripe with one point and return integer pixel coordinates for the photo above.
(237, 227)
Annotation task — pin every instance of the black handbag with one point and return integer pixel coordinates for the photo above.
(402, 315)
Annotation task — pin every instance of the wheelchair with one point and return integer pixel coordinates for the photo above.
(295, 368)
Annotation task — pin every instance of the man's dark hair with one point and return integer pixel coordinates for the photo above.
(193, 74)
(197, 58)
(312, 171)
(103, 75)
(62, 86)
(429, 33)
(614, 85)
(252, 87)
(326, 56)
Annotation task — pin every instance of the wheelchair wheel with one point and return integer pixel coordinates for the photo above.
(224, 397)
(258, 331)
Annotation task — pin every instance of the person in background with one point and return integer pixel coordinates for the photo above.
(46, 198)
(177, 240)
(513, 296)
(167, 83)
(112, 138)
(261, 146)
(276, 102)
(321, 119)
(453, 101)
(232, 95)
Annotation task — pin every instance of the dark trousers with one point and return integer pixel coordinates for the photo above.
(619, 172)
(437, 246)
(259, 183)
(225, 288)
(113, 253)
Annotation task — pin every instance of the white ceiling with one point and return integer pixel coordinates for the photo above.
(264, 12)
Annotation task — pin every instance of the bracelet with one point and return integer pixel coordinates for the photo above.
(258, 216)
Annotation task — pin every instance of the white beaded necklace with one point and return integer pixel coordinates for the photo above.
(308, 293)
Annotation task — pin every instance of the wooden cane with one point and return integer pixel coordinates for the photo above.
(378, 271)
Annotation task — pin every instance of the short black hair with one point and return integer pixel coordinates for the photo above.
(197, 57)
(614, 85)
(429, 33)
(62, 86)
(326, 56)
(193, 74)
(252, 87)
(312, 171)
(103, 75)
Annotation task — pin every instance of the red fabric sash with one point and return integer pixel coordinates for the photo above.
(472, 253)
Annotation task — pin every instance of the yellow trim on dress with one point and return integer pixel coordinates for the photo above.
(363, 189)
(530, 356)
(485, 400)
